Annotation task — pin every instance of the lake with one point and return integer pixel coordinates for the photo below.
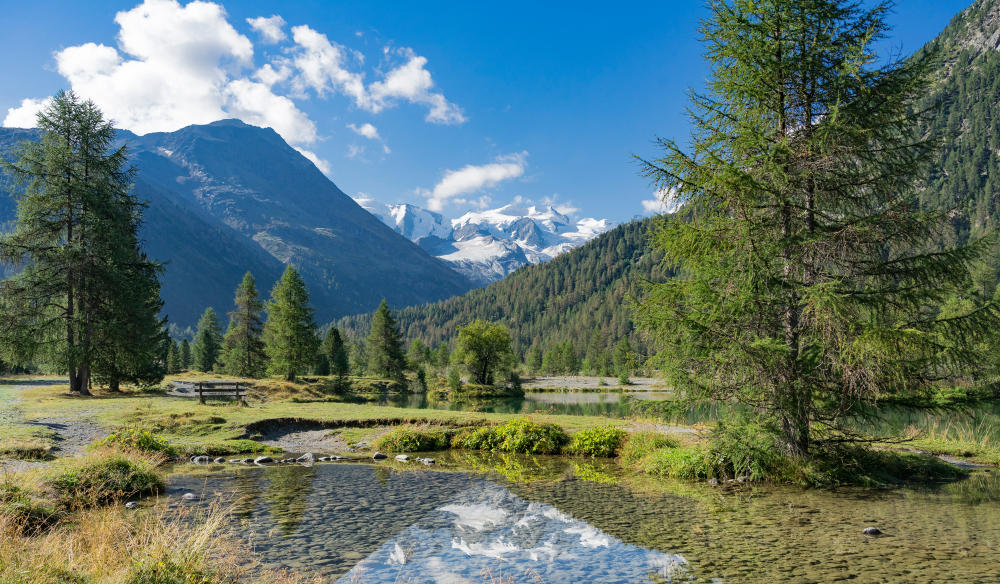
(480, 517)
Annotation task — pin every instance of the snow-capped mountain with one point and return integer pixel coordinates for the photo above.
(487, 245)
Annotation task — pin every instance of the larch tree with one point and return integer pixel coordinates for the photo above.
(185, 355)
(384, 348)
(290, 339)
(243, 346)
(207, 342)
(807, 279)
(85, 296)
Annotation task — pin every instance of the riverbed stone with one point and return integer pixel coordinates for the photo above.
(379, 456)
(871, 531)
(220, 460)
(131, 505)
(201, 459)
(263, 460)
(189, 496)
(402, 458)
(306, 458)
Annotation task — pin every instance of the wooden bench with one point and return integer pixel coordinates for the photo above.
(224, 389)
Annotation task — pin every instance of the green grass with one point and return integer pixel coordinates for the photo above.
(410, 439)
(104, 479)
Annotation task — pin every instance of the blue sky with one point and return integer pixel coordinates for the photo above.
(448, 105)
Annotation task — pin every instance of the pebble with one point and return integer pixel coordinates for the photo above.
(189, 496)
(871, 531)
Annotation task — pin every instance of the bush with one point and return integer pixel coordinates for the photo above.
(750, 450)
(604, 441)
(138, 439)
(105, 480)
(519, 435)
(404, 439)
(680, 463)
(640, 444)
(454, 380)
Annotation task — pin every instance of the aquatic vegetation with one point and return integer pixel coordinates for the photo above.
(409, 439)
(604, 441)
(639, 444)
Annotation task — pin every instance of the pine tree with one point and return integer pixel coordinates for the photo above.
(336, 353)
(243, 346)
(417, 354)
(207, 342)
(85, 295)
(806, 280)
(290, 339)
(384, 346)
(533, 361)
(185, 355)
(173, 358)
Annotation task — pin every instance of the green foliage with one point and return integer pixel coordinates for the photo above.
(384, 347)
(486, 350)
(640, 444)
(185, 355)
(290, 333)
(336, 353)
(207, 342)
(808, 277)
(604, 441)
(454, 379)
(747, 449)
(561, 300)
(406, 439)
(518, 435)
(137, 439)
(107, 480)
(681, 463)
(85, 297)
(173, 358)
(243, 346)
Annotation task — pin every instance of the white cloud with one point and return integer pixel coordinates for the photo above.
(25, 115)
(353, 151)
(367, 130)
(412, 82)
(321, 66)
(366, 201)
(471, 179)
(269, 76)
(662, 202)
(254, 103)
(270, 28)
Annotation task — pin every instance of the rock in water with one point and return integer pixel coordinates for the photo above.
(201, 459)
(263, 459)
(871, 531)
(220, 460)
(306, 458)
(189, 496)
(402, 458)
(379, 456)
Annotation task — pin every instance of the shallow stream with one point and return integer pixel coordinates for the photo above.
(479, 518)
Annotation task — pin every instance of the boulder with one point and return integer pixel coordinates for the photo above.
(306, 458)
(263, 460)
(189, 496)
(201, 459)
(713, 481)
(871, 531)
(131, 505)
(379, 456)
(402, 458)
(220, 460)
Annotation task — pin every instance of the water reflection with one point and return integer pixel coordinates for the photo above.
(563, 519)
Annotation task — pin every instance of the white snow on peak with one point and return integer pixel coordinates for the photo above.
(487, 245)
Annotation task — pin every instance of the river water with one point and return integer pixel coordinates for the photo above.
(487, 518)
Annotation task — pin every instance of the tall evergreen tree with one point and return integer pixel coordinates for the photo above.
(85, 295)
(207, 342)
(185, 355)
(173, 357)
(384, 347)
(533, 360)
(806, 284)
(336, 353)
(243, 345)
(290, 339)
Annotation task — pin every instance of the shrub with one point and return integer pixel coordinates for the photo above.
(604, 441)
(138, 439)
(747, 449)
(105, 480)
(454, 380)
(640, 444)
(486, 438)
(405, 439)
(521, 435)
(680, 462)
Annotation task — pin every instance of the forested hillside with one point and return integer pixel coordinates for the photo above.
(582, 296)
(964, 108)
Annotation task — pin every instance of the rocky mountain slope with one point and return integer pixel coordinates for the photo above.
(228, 197)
